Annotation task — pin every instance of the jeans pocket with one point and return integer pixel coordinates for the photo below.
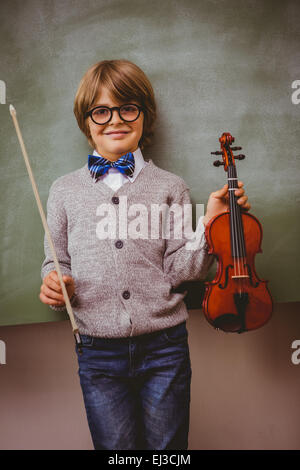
(176, 334)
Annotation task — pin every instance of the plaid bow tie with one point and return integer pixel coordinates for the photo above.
(99, 166)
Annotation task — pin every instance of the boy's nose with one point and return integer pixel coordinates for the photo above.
(115, 117)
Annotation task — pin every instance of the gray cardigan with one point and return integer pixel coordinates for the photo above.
(123, 285)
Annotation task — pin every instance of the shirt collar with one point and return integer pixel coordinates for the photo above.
(139, 163)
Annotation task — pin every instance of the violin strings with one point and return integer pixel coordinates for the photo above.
(234, 234)
(241, 242)
(240, 231)
(233, 219)
(237, 230)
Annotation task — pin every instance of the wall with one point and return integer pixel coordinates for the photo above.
(215, 66)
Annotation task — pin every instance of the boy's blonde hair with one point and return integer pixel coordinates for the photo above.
(126, 82)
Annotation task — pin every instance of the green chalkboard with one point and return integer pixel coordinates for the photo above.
(214, 66)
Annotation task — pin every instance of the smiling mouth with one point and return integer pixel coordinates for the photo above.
(117, 132)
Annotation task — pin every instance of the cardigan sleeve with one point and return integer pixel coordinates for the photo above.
(58, 227)
(186, 255)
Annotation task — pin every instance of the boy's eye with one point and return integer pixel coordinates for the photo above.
(128, 108)
(101, 112)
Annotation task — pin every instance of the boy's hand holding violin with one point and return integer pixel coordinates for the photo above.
(51, 292)
(219, 201)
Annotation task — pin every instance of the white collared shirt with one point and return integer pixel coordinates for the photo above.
(114, 178)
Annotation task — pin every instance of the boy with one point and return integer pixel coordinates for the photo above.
(135, 368)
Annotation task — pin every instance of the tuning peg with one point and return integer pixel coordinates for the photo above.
(236, 148)
(218, 163)
(217, 153)
(240, 157)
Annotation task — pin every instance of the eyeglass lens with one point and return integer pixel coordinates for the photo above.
(128, 112)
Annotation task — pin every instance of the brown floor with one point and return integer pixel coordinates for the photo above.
(245, 388)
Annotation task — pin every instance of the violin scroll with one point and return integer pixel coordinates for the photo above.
(226, 140)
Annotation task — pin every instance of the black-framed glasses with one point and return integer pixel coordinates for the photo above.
(102, 114)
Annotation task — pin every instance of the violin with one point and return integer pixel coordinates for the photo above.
(237, 300)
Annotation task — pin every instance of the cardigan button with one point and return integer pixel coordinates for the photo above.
(115, 199)
(126, 294)
(119, 244)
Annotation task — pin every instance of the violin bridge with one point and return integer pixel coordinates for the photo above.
(238, 277)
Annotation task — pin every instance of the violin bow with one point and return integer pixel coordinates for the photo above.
(46, 227)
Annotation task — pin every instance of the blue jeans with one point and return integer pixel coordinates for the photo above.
(136, 390)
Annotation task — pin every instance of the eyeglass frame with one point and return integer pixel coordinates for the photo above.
(89, 113)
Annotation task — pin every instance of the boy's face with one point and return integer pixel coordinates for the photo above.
(113, 146)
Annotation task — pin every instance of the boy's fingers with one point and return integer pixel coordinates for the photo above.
(54, 276)
(246, 206)
(49, 301)
(221, 192)
(53, 281)
(68, 280)
(53, 285)
(242, 200)
(52, 294)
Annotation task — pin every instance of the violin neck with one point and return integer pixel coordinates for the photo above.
(238, 249)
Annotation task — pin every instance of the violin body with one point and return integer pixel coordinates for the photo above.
(221, 305)
(237, 300)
